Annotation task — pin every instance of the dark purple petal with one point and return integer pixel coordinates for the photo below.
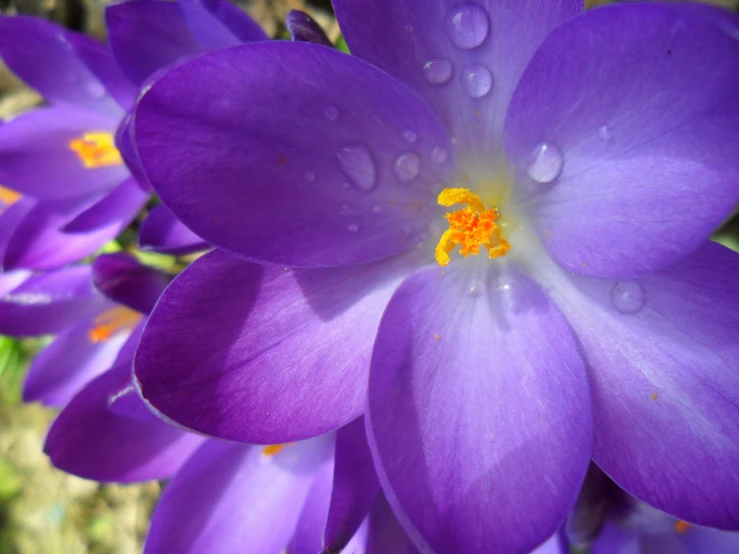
(49, 302)
(479, 422)
(297, 155)
(303, 28)
(123, 279)
(235, 498)
(614, 540)
(119, 206)
(663, 355)
(385, 535)
(10, 218)
(264, 355)
(649, 166)
(355, 486)
(308, 536)
(162, 232)
(213, 24)
(40, 53)
(128, 403)
(464, 58)
(90, 441)
(36, 157)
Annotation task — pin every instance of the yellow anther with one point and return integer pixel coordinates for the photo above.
(96, 150)
(273, 449)
(469, 228)
(113, 321)
(8, 197)
(681, 526)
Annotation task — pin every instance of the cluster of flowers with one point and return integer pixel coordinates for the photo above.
(458, 295)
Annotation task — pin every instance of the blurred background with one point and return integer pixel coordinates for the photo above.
(45, 511)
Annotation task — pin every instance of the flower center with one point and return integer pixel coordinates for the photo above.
(113, 321)
(96, 150)
(469, 228)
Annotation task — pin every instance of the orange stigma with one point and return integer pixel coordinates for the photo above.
(8, 197)
(96, 150)
(113, 321)
(681, 527)
(469, 228)
(273, 449)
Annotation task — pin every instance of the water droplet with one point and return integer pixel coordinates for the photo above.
(345, 207)
(477, 81)
(310, 176)
(475, 288)
(356, 162)
(377, 209)
(353, 228)
(547, 163)
(439, 155)
(331, 113)
(410, 136)
(604, 133)
(627, 296)
(409, 28)
(438, 72)
(407, 166)
(96, 90)
(345, 185)
(468, 25)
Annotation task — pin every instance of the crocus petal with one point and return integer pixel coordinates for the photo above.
(355, 486)
(90, 441)
(41, 55)
(648, 158)
(49, 302)
(36, 157)
(219, 24)
(700, 540)
(385, 535)
(235, 498)
(270, 180)
(308, 536)
(69, 363)
(615, 540)
(303, 28)
(464, 58)
(262, 355)
(479, 423)
(124, 280)
(128, 403)
(11, 218)
(557, 544)
(663, 358)
(162, 232)
(119, 206)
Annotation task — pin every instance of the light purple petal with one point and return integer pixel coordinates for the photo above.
(264, 355)
(162, 232)
(479, 421)
(663, 358)
(119, 207)
(648, 154)
(308, 537)
(231, 498)
(297, 155)
(464, 58)
(615, 540)
(701, 540)
(123, 279)
(211, 23)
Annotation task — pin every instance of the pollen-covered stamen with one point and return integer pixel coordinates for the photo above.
(682, 527)
(96, 150)
(274, 449)
(8, 197)
(112, 322)
(470, 228)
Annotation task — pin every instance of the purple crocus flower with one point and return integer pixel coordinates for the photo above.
(590, 155)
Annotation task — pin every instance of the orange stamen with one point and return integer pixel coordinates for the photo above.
(681, 527)
(273, 449)
(96, 150)
(8, 197)
(112, 322)
(470, 228)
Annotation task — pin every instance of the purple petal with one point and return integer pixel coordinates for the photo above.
(615, 540)
(119, 206)
(663, 357)
(124, 280)
(235, 498)
(385, 534)
(90, 441)
(128, 403)
(700, 540)
(464, 58)
(162, 232)
(36, 157)
(10, 218)
(303, 28)
(40, 53)
(308, 537)
(355, 486)
(264, 355)
(216, 23)
(48, 303)
(479, 422)
(648, 155)
(272, 180)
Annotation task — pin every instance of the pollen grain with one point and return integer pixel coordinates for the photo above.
(96, 150)
(112, 322)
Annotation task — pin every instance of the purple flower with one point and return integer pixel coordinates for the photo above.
(591, 155)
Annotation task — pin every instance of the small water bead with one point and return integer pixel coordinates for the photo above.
(468, 25)
(546, 164)
(331, 113)
(438, 72)
(604, 134)
(345, 185)
(376, 209)
(310, 176)
(439, 155)
(475, 288)
(410, 136)
(407, 166)
(353, 228)
(345, 207)
(628, 297)
(356, 163)
(477, 81)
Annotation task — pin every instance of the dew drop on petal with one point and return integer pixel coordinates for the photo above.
(331, 113)
(438, 72)
(475, 288)
(410, 136)
(627, 296)
(356, 163)
(376, 209)
(439, 155)
(477, 81)
(407, 166)
(604, 133)
(468, 25)
(345, 185)
(546, 164)
(310, 176)
(353, 228)
(345, 207)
